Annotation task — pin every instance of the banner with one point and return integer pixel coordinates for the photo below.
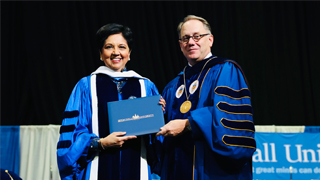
(292, 156)
(10, 148)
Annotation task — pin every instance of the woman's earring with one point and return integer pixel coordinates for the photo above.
(100, 59)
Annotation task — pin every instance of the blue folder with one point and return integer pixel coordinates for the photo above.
(137, 116)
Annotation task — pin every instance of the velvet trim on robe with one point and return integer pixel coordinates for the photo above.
(115, 164)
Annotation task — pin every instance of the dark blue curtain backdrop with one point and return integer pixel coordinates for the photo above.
(46, 47)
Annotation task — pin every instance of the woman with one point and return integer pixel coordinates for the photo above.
(86, 149)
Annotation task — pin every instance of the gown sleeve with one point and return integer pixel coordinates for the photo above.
(154, 143)
(151, 89)
(75, 136)
(225, 121)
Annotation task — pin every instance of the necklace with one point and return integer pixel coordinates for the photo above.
(9, 174)
(186, 105)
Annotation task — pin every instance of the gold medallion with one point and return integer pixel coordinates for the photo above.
(185, 107)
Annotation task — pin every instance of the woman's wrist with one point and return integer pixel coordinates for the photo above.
(94, 145)
(101, 145)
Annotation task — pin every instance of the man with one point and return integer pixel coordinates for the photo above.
(210, 130)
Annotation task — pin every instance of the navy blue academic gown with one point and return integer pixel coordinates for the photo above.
(221, 142)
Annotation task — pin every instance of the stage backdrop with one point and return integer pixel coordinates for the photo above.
(47, 46)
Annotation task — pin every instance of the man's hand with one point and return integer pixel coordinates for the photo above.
(174, 127)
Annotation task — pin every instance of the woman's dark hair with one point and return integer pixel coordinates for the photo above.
(109, 29)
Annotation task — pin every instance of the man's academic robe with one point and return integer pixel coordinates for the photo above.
(221, 141)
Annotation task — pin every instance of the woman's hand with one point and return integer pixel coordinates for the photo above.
(163, 103)
(115, 139)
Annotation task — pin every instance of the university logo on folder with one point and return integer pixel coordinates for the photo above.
(137, 116)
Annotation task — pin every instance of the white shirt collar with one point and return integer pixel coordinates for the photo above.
(116, 74)
(209, 55)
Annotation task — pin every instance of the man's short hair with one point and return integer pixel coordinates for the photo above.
(191, 17)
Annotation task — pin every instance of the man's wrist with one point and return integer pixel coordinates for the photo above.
(188, 126)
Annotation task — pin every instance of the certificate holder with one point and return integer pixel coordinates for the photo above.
(137, 116)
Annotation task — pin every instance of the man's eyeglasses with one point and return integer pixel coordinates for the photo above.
(196, 38)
